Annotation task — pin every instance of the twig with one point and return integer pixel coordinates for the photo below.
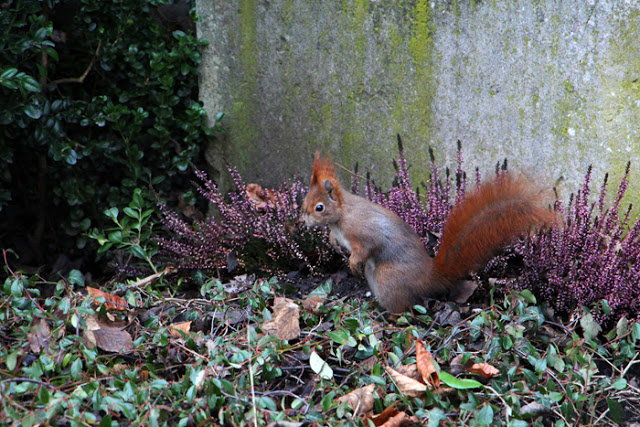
(28, 380)
(84, 75)
(253, 389)
(507, 409)
(142, 282)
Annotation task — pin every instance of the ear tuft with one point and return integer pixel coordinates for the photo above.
(324, 176)
(322, 169)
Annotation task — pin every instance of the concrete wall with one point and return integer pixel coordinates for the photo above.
(552, 85)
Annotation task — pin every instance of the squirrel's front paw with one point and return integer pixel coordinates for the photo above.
(356, 269)
(335, 244)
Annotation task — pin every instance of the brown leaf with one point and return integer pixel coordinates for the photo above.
(384, 416)
(359, 400)
(401, 419)
(174, 329)
(410, 371)
(426, 366)
(105, 337)
(456, 366)
(407, 385)
(40, 336)
(312, 304)
(190, 211)
(465, 289)
(285, 320)
(260, 197)
(484, 369)
(112, 302)
(114, 340)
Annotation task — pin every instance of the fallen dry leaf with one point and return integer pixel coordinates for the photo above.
(407, 385)
(388, 413)
(456, 366)
(401, 419)
(285, 323)
(112, 302)
(105, 337)
(484, 369)
(312, 304)
(535, 409)
(426, 367)
(260, 197)
(174, 329)
(359, 400)
(410, 371)
(113, 339)
(40, 336)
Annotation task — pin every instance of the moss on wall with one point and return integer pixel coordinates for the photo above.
(552, 86)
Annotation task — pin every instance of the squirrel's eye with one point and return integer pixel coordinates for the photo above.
(319, 207)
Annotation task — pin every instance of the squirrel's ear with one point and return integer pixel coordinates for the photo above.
(316, 168)
(330, 188)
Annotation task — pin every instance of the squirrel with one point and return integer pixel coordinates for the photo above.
(396, 264)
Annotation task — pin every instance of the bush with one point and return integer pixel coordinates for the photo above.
(99, 98)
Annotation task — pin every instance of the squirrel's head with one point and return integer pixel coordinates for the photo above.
(323, 204)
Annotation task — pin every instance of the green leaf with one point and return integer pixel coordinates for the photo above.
(615, 410)
(112, 213)
(30, 84)
(8, 73)
(17, 288)
(620, 384)
(267, 403)
(436, 416)
(485, 416)
(590, 327)
(12, 360)
(33, 111)
(320, 367)
(106, 421)
(528, 296)
(76, 278)
(130, 212)
(323, 290)
(636, 331)
(138, 252)
(458, 383)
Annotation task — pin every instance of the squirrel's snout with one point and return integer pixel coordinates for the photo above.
(308, 220)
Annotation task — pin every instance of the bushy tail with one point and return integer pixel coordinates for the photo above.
(487, 220)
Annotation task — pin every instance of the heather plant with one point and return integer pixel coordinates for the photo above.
(592, 259)
(244, 234)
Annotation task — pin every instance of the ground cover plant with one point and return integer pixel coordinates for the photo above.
(307, 347)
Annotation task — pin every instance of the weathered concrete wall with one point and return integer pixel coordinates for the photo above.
(552, 85)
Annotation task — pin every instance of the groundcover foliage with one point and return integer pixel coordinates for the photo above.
(227, 370)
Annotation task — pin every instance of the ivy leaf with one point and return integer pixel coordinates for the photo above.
(590, 327)
(76, 278)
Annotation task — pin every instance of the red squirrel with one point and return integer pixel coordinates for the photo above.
(396, 265)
